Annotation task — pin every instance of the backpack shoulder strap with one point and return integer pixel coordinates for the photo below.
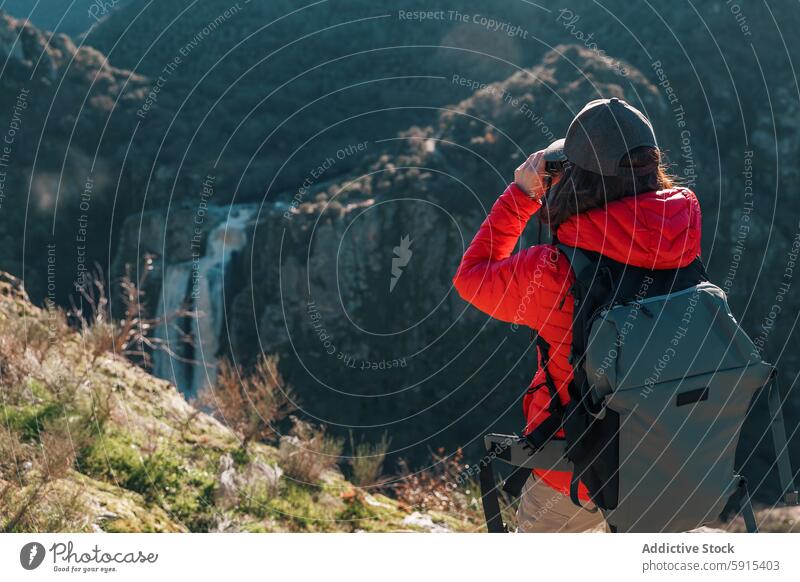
(583, 263)
(587, 292)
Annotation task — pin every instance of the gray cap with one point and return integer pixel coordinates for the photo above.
(603, 132)
(555, 152)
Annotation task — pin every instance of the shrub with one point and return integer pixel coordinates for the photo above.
(29, 420)
(307, 452)
(58, 450)
(26, 338)
(15, 363)
(250, 405)
(15, 455)
(43, 508)
(367, 461)
(28, 501)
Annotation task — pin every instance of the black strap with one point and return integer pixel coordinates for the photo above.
(574, 484)
(745, 505)
(543, 209)
(491, 503)
(555, 408)
(516, 481)
(587, 291)
(545, 431)
(788, 486)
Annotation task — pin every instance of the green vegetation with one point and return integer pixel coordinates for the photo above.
(367, 461)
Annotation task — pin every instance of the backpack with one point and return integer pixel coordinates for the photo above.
(664, 378)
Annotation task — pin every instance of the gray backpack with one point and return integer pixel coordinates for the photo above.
(664, 377)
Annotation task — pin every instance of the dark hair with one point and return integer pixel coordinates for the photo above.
(580, 190)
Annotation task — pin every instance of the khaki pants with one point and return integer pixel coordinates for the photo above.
(545, 510)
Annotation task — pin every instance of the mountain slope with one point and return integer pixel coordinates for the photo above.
(72, 17)
(89, 442)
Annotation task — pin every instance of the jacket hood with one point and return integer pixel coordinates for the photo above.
(654, 230)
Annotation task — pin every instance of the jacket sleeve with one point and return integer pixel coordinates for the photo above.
(490, 277)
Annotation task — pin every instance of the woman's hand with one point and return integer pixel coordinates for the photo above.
(532, 178)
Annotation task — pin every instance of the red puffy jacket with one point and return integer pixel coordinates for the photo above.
(656, 230)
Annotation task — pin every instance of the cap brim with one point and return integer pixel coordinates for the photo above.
(555, 152)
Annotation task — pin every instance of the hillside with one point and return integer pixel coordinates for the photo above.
(260, 83)
(72, 17)
(70, 116)
(89, 442)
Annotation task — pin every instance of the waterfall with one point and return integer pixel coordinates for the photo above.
(174, 290)
(208, 293)
(200, 286)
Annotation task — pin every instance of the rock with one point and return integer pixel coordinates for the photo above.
(257, 478)
(263, 475)
(770, 519)
(370, 500)
(425, 522)
(227, 493)
(12, 287)
(109, 508)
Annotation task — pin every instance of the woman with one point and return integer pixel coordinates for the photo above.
(613, 197)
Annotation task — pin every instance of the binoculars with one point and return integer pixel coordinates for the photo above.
(554, 167)
(554, 158)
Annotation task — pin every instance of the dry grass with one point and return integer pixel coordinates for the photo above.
(447, 486)
(28, 500)
(24, 344)
(130, 335)
(15, 455)
(45, 418)
(250, 405)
